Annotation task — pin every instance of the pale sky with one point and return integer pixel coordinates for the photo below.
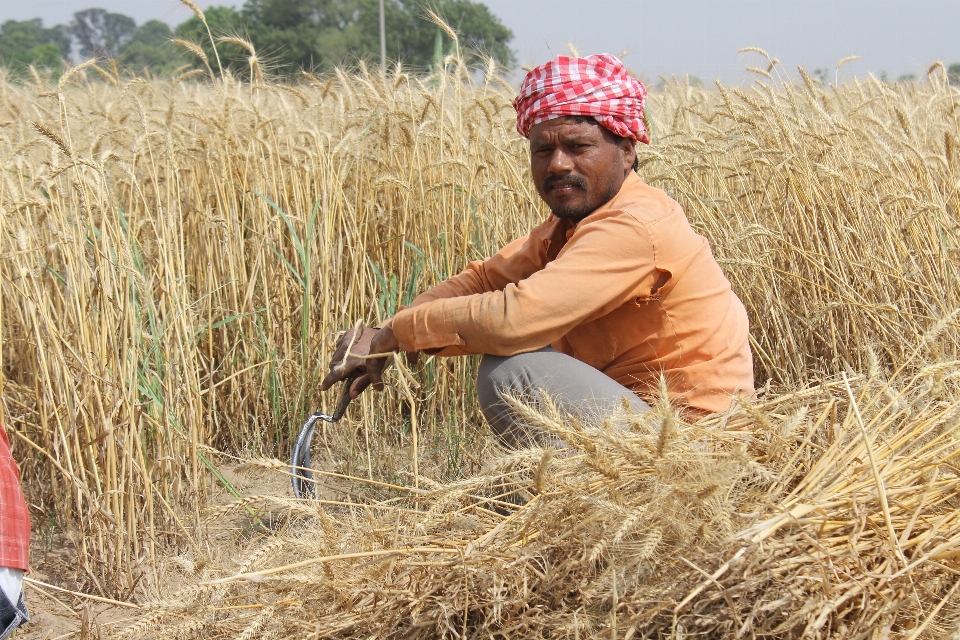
(664, 37)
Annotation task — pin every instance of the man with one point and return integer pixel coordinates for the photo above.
(612, 292)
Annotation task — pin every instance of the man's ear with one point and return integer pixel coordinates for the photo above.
(629, 150)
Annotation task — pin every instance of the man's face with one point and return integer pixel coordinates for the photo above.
(578, 165)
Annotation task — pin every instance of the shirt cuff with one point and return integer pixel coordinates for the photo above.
(413, 332)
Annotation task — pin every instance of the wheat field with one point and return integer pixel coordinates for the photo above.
(178, 257)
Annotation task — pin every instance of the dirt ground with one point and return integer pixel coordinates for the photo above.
(56, 615)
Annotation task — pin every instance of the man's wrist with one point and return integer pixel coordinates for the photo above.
(384, 341)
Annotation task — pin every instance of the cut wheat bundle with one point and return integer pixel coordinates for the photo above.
(829, 512)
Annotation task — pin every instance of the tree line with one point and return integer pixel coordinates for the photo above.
(288, 36)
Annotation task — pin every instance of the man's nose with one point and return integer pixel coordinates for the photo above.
(560, 162)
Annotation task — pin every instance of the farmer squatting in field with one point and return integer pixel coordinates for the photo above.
(612, 291)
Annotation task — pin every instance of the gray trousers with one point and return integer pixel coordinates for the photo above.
(574, 387)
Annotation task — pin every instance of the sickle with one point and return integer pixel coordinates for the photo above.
(302, 479)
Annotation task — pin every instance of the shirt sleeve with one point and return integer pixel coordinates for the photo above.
(514, 262)
(482, 276)
(604, 264)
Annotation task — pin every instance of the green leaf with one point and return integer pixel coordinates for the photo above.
(289, 266)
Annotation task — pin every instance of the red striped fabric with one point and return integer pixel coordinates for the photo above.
(14, 517)
(597, 86)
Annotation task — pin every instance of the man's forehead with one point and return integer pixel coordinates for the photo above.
(565, 126)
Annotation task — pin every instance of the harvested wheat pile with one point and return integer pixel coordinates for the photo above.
(829, 512)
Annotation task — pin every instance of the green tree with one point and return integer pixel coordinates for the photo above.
(290, 35)
(150, 48)
(298, 34)
(100, 33)
(480, 33)
(415, 41)
(223, 21)
(29, 43)
(953, 73)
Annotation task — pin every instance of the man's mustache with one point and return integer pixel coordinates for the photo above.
(550, 181)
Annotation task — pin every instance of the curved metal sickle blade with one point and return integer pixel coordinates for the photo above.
(300, 463)
(302, 478)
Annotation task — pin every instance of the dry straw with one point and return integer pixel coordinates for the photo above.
(741, 528)
(177, 259)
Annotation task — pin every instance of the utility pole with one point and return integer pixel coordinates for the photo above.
(383, 43)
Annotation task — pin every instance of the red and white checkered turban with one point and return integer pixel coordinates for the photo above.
(597, 86)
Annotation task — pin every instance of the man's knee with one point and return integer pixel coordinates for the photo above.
(490, 381)
(507, 375)
(497, 378)
(573, 386)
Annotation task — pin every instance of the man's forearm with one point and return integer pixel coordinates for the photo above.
(514, 262)
(465, 283)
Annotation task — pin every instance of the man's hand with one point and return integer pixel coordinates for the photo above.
(369, 341)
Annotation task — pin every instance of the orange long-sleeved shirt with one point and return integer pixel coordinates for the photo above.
(631, 290)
